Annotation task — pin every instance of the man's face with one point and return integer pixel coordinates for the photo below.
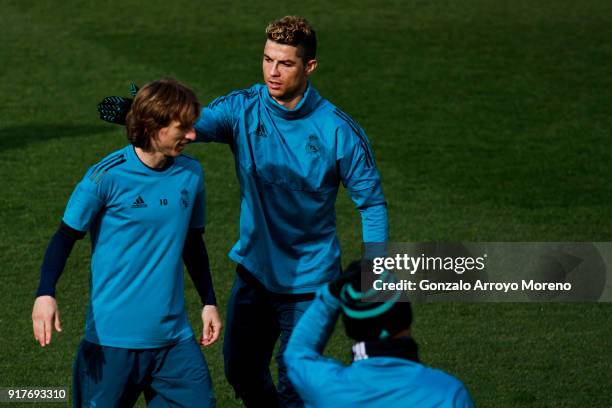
(171, 140)
(284, 72)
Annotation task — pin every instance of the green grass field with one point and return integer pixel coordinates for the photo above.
(490, 121)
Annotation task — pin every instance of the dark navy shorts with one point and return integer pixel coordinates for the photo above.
(172, 376)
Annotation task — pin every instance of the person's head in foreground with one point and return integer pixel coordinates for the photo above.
(368, 317)
(289, 58)
(385, 371)
(162, 116)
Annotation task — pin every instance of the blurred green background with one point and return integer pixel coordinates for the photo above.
(490, 121)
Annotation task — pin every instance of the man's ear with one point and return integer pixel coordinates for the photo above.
(311, 65)
(162, 132)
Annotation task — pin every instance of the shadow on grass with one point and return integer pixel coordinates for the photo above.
(15, 137)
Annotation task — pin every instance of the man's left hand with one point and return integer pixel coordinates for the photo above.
(350, 273)
(212, 325)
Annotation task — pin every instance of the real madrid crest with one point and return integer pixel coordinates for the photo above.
(313, 146)
(184, 198)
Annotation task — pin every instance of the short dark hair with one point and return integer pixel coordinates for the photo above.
(296, 31)
(155, 106)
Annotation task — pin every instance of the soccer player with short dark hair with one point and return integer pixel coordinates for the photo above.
(143, 206)
(292, 150)
(386, 370)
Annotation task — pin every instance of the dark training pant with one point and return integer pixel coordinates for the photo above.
(255, 320)
(172, 376)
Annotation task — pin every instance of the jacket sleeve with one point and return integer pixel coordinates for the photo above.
(217, 119)
(361, 178)
(307, 368)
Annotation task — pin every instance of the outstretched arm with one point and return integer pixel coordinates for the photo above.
(45, 313)
(307, 368)
(213, 125)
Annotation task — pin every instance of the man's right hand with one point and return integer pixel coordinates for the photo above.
(114, 109)
(45, 314)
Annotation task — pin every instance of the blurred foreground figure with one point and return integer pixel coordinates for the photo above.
(386, 371)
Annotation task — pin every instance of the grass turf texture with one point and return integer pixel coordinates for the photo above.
(489, 122)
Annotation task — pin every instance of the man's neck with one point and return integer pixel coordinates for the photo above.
(154, 160)
(399, 347)
(293, 101)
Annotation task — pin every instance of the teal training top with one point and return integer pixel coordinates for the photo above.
(374, 382)
(290, 164)
(138, 220)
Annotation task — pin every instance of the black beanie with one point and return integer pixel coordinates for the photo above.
(372, 315)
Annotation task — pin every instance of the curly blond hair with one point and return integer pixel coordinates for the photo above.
(296, 31)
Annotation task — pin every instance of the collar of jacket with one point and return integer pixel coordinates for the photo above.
(307, 104)
(401, 347)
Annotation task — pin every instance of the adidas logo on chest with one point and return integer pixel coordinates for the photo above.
(139, 203)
